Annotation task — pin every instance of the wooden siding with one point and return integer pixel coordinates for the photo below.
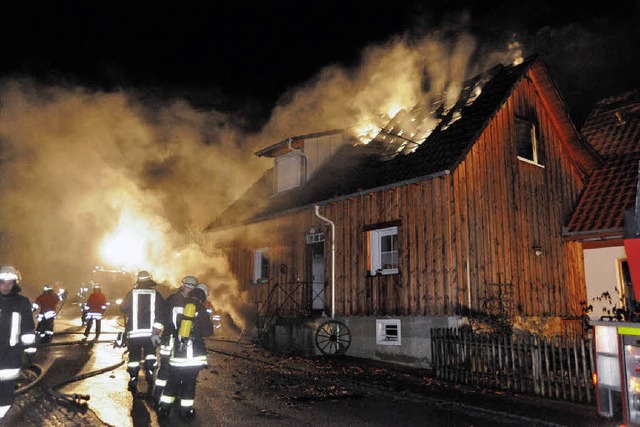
(457, 233)
(507, 206)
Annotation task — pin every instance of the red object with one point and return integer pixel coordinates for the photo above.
(632, 247)
(97, 303)
(48, 301)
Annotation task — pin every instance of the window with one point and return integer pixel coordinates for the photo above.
(260, 266)
(289, 172)
(526, 140)
(383, 251)
(388, 332)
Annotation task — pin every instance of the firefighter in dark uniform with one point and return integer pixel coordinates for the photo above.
(144, 308)
(188, 354)
(174, 304)
(17, 334)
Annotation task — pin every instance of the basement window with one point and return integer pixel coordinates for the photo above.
(388, 332)
(527, 141)
(383, 251)
(260, 266)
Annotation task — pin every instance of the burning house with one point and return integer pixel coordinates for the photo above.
(447, 213)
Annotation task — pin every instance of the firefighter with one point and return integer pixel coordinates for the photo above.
(175, 303)
(94, 310)
(188, 355)
(17, 334)
(215, 318)
(144, 308)
(47, 302)
(207, 304)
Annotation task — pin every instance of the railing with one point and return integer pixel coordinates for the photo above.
(291, 299)
(557, 367)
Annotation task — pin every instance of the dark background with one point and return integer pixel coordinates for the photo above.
(240, 57)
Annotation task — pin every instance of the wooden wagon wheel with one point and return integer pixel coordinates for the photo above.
(333, 338)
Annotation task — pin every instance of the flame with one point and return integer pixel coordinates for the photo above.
(394, 109)
(129, 244)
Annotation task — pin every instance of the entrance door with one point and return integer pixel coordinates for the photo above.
(317, 276)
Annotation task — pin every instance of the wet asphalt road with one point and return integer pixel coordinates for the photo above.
(246, 385)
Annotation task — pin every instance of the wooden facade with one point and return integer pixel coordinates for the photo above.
(492, 219)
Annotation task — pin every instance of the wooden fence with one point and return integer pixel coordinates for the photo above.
(557, 367)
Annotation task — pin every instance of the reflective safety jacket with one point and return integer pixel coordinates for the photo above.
(48, 304)
(17, 333)
(95, 306)
(144, 307)
(191, 352)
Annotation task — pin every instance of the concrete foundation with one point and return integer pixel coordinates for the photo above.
(412, 348)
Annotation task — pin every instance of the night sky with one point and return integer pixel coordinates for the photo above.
(241, 57)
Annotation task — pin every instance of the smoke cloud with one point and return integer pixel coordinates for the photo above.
(81, 167)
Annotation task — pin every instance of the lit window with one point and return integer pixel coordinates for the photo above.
(526, 140)
(260, 266)
(383, 244)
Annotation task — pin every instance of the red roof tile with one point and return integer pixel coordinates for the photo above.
(613, 129)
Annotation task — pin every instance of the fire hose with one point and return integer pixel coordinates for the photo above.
(76, 399)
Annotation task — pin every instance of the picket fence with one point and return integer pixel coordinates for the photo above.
(556, 367)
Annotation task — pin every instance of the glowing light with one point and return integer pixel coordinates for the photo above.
(129, 244)
(393, 110)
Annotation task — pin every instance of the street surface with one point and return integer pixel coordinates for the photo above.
(246, 385)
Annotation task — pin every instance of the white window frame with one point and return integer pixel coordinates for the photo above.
(259, 256)
(384, 327)
(375, 245)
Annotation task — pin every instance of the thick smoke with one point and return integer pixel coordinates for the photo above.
(80, 166)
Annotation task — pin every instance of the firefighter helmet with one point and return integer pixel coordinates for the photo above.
(204, 288)
(143, 276)
(190, 281)
(198, 294)
(47, 288)
(9, 272)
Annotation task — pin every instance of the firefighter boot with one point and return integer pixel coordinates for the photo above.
(133, 385)
(187, 414)
(163, 409)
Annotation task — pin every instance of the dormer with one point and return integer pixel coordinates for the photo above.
(296, 159)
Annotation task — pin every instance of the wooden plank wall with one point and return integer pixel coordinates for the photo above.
(506, 207)
(457, 232)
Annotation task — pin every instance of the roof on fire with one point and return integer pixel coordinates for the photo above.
(357, 169)
(613, 129)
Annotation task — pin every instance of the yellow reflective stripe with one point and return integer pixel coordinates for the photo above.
(9, 374)
(167, 399)
(49, 314)
(161, 383)
(133, 364)
(186, 403)
(195, 361)
(174, 314)
(150, 357)
(30, 350)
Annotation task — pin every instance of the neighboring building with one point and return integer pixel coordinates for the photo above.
(442, 218)
(613, 129)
